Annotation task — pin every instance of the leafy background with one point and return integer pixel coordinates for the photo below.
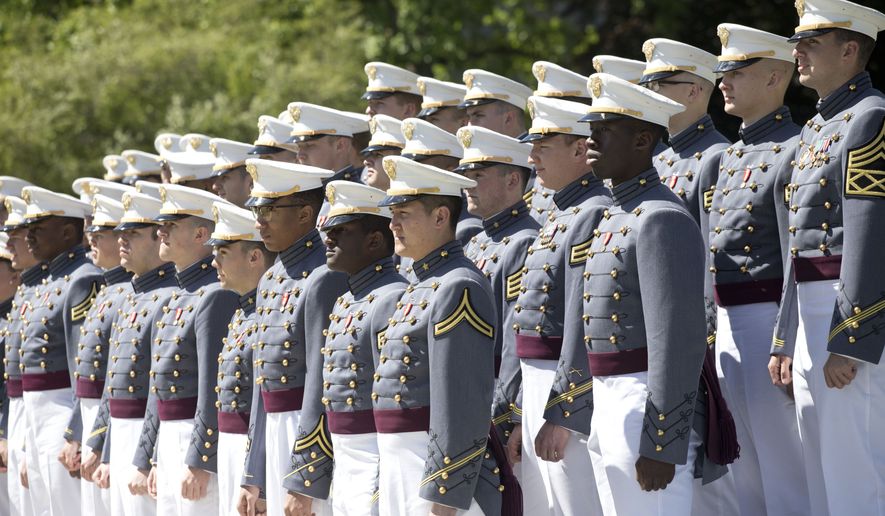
(80, 79)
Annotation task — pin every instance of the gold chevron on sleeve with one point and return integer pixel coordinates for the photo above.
(317, 437)
(78, 312)
(866, 168)
(98, 432)
(514, 284)
(503, 418)
(453, 466)
(577, 391)
(464, 312)
(860, 314)
(578, 252)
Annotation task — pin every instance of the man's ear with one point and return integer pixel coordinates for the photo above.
(441, 216)
(643, 140)
(581, 149)
(307, 215)
(374, 241)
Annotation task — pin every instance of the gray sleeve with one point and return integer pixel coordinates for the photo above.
(77, 303)
(74, 430)
(106, 445)
(99, 430)
(254, 468)
(145, 452)
(787, 323)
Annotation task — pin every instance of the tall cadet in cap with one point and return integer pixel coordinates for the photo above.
(392, 91)
(830, 292)
(51, 331)
(499, 250)
(557, 82)
(295, 299)
(433, 146)
(125, 454)
(165, 143)
(387, 140)
(240, 259)
(232, 182)
(644, 322)
(14, 424)
(439, 103)
(273, 132)
(92, 351)
(142, 166)
(495, 102)
(192, 169)
(551, 436)
(435, 376)
(10, 279)
(745, 260)
(186, 341)
(359, 243)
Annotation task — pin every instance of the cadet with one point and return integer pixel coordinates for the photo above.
(628, 69)
(359, 243)
(295, 298)
(127, 457)
(392, 91)
(240, 259)
(166, 143)
(499, 166)
(92, 349)
(141, 166)
(232, 182)
(387, 140)
(50, 331)
(115, 168)
(551, 436)
(830, 292)
(435, 376)
(643, 310)
(748, 232)
(192, 169)
(10, 279)
(186, 341)
(439, 104)
(273, 132)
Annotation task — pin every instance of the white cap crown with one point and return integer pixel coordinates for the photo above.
(556, 81)
(115, 166)
(349, 198)
(628, 69)
(313, 120)
(483, 145)
(437, 94)
(140, 208)
(387, 78)
(273, 179)
(426, 139)
(184, 200)
(386, 132)
(190, 165)
(838, 14)
(233, 223)
(46, 203)
(740, 43)
(410, 178)
(228, 153)
(557, 116)
(165, 143)
(106, 212)
(668, 56)
(615, 96)
(483, 85)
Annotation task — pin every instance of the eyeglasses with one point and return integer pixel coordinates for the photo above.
(655, 86)
(266, 212)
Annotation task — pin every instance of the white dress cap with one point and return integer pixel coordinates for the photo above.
(387, 134)
(16, 207)
(387, 79)
(190, 166)
(628, 69)
(272, 131)
(743, 46)
(194, 142)
(4, 252)
(426, 139)
(165, 143)
(148, 188)
(556, 81)
(311, 121)
(484, 148)
(106, 213)
(349, 201)
(484, 87)
(438, 94)
(232, 224)
(410, 179)
(616, 98)
(81, 187)
(142, 164)
(114, 166)
(228, 154)
(274, 179)
(552, 116)
(140, 210)
(817, 17)
(46, 203)
(108, 188)
(183, 201)
(666, 58)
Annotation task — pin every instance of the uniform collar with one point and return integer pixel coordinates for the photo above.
(35, 274)
(576, 191)
(757, 131)
(635, 187)
(301, 248)
(161, 276)
(6, 306)
(688, 137)
(361, 282)
(845, 96)
(195, 272)
(425, 267)
(70, 257)
(498, 223)
(247, 302)
(116, 275)
(348, 173)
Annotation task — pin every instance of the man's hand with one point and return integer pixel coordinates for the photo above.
(4, 456)
(195, 483)
(23, 475)
(249, 504)
(102, 476)
(653, 475)
(138, 484)
(550, 442)
(152, 482)
(297, 504)
(514, 445)
(839, 371)
(780, 369)
(70, 456)
(88, 466)
(443, 510)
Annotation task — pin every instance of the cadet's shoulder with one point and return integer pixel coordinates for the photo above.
(323, 277)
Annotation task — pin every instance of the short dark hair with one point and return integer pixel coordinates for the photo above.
(360, 141)
(373, 223)
(431, 202)
(269, 256)
(524, 173)
(865, 44)
(658, 132)
(313, 198)
(77, 224)
(408, 98)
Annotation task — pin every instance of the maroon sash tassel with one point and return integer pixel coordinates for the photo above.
(721, 443)
(511, 498)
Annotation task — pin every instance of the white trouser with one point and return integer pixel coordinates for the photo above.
(355, 480)
(281, 431)
(93, 500)
(126, 433)
(841, 429)
(400, 474)
(231, 457)
(618, 416)
(16, 433)
(562, 488)
(53, 491)
(173, 444)
(770, 463)
(718, 498)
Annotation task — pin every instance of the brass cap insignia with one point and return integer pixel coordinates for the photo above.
(195, 142)
(540, 71)
(465, 137)
(800, 7)
(596, 87)
(468, 79)
(262, 125)
(373, 125)
(215, 214)
(390, 169)
(422, 88)
(597, 65)
(166, 142)
(295, 112)
(372, 72)
(113, 163)
(213, 149)
(330, 194)
(723, 36)
(26, 196)
(130, 159)
(127, 201)
(530, 107)
(162, 194)
(648, 48)
(408, 130)
(8, 203)
(253, 171)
